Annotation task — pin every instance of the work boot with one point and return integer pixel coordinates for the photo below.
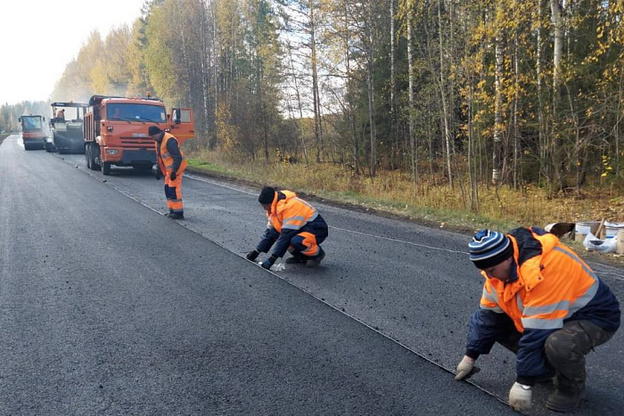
(567, 395)
(176, 216)
(297, 258)
(316, 260)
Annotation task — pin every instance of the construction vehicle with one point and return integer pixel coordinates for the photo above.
(67, 127)
(115, 131)
(33, 132)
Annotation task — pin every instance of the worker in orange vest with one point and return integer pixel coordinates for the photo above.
(170, 163)
(545, 304)
(293, 225)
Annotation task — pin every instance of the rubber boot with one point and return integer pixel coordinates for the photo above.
(567, 395)
(297, 258)
(316, 260)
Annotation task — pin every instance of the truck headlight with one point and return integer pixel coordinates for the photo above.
(112, 151)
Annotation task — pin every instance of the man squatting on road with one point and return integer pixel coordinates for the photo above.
(545, 304)
(293, 225)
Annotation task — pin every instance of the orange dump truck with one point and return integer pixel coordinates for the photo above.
(33, 132)
(115, 131)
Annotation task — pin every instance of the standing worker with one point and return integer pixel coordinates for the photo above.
(294, 225)
(171, 164)
(544, 303)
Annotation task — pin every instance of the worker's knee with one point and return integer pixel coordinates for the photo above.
(563, 348)
(557, 348)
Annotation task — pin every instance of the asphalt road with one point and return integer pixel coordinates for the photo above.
(107, 307)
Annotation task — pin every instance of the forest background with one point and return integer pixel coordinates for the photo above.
(464, 113)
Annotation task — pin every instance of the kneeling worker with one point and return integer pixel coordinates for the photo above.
(294, 225)
(544, 303)
(171, 163)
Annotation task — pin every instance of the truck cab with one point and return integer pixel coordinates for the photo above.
(33, 132)
(115, 131)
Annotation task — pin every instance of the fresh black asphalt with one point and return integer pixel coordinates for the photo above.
(107, 307)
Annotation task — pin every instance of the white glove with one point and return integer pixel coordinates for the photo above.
(520, 397)
(466, 368)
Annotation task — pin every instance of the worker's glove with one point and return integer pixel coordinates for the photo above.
(252, 255)
(158, 174)
(172, 176)
(520, 397)
(268, 262)
(466, 368)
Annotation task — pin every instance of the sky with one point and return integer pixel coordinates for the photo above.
(40, 37)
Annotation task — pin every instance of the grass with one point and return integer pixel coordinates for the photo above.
(394, 193)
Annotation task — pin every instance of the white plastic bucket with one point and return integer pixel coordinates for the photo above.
(586, 227)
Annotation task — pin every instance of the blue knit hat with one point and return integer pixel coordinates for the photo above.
(489, 248)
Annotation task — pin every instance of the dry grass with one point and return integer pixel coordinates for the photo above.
(395, 193)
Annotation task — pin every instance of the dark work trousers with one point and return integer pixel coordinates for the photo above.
(565, 350)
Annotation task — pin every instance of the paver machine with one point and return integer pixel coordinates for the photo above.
(67, 127)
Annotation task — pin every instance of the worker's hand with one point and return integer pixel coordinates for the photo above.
(466, 368)
(157, 174)
(252, 255)
(172, 176)
(520, 397)
(268, 262)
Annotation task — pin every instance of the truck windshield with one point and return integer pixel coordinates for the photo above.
(31, 123)
(136, 112)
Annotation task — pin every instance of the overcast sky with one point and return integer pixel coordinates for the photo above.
(39, 38)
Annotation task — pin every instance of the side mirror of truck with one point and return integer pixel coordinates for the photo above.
(177, 116)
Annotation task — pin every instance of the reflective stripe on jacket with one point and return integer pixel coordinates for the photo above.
(167, 160)
(553, 285)
(290, 213)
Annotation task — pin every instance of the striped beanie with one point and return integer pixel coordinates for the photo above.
(489, 248)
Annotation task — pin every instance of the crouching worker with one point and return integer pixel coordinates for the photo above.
(293, 225)
(170, 163)
(541, 301)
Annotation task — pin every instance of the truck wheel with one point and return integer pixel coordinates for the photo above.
(91, 151)
(106, 168)
(88, 156)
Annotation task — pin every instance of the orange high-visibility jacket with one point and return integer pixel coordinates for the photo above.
(165, 160)
(552, 285)
(290, 213)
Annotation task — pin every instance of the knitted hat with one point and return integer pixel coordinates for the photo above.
(153, 130)
(489, 248)
(266, 195)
